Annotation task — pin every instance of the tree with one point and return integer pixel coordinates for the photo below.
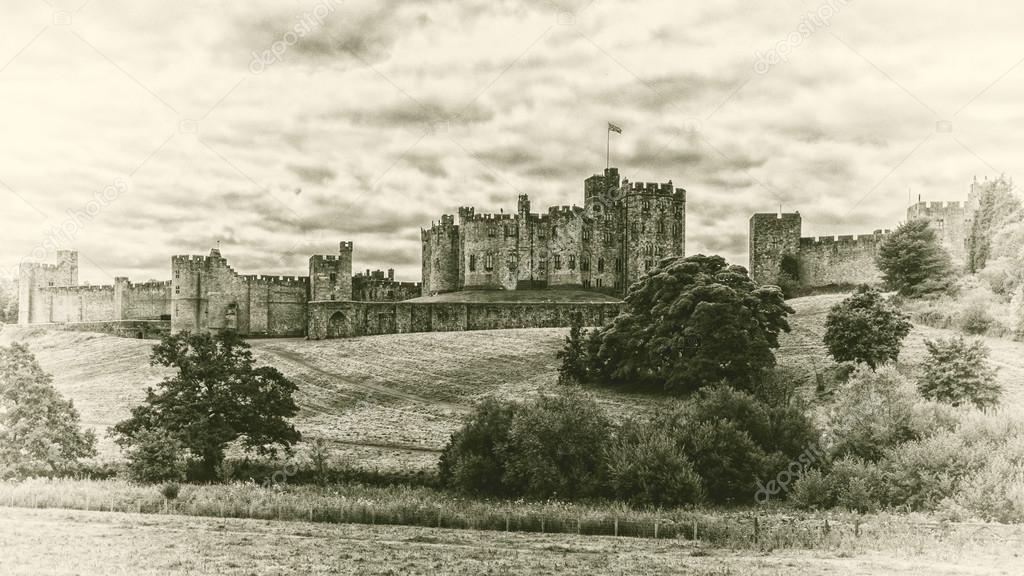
(40, 432)
(690, 322)
(957, 371)
(913, 262)
(865, 327)
(216, 396)
(573, 356)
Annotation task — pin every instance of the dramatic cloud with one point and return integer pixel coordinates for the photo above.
(136, 130)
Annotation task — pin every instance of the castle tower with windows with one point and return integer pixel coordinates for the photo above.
(622, 230)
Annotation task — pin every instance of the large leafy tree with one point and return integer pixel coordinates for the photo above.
(913, 262)
(690, 322)
(865, 327)
(216, 396)
(40, 431)
(957, 371)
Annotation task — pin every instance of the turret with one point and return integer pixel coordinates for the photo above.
(330, 277)
(773, 239)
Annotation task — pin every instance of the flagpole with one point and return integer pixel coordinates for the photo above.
(608, 149)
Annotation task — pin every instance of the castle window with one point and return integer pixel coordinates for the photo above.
(646, 205)
(489, 262)
(618, 264)
(633, 228)
(647, 265)
(554, 232)
(586, 234)
(176, 274)
(177, 289)
(657, 251)
(597, 282)
(600, 264)
(661, 226)
(513, 260)
(558, 261)
(607, 236)
(334, 277)
(675, 228)
(584, 264)
(586, 283)
(472, 262)
(572, 261)
(490, 232)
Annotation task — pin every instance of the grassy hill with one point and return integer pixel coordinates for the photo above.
(390, 402)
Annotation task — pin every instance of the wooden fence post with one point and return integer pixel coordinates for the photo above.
(616, 526)
(694, 529)
(655, 528)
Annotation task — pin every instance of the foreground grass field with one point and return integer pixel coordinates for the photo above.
(390, 402)
(61, 542)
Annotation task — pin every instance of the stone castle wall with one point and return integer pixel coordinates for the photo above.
(841, 260)
(778, 253)
(351, 319)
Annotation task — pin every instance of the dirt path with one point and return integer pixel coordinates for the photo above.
(61, 542)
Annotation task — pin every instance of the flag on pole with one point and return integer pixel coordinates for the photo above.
(614, 128)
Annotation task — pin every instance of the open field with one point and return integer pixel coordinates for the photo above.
(62, 542)
(389, 402)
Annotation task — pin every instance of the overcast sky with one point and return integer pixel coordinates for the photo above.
(134, 130)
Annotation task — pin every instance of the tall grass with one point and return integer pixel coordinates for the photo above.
(418, 506)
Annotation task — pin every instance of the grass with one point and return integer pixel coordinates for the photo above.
(79, 542)
(389, 402)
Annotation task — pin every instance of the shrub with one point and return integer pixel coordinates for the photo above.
(170, 490)
(865, 328)
(872, 412)
(726, 458)
(555, 447)
(851, 483)
(957, 372)
(156, 457)
(996, 491)
(919, 474)
(573, 368)
(975, 319)
(473, 461)
(646, 467)
(734, 439)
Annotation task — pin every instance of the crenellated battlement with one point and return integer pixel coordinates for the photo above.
(930, 206)
(489, 217)
(873, 238)
(654, 188)
(276, 280)
(77, 289)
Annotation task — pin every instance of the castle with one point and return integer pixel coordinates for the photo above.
(204, 294)
(778, 253)
(621, 231)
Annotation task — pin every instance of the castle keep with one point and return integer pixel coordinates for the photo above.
(619, 233)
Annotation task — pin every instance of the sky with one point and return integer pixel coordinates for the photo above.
(134, 130)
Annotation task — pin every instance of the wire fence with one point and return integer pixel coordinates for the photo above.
(738, 531)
